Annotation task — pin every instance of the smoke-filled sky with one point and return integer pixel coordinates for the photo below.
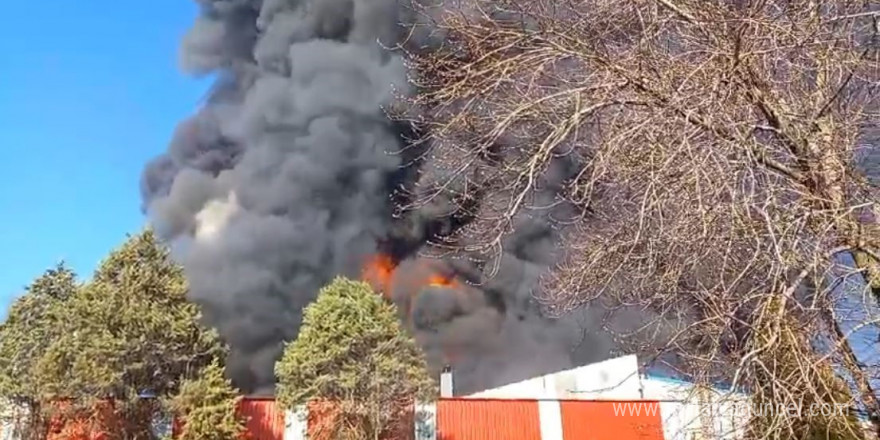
(282, 181)
(291, 174)
(89, 90)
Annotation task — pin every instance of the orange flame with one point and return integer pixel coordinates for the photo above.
(438, 280)
(378, 271)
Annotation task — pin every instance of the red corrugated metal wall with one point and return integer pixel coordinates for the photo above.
(457, 419)
(637, 420)
(96, 424)
(486, 419)
(322, 415)
(321, 418)
(265, 419)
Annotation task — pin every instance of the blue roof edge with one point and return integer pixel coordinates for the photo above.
(720, 386)
(861, 415)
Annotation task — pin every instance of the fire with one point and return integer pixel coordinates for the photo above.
(378, 271)
(438, 280)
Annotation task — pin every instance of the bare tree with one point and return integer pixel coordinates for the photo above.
(713, 148)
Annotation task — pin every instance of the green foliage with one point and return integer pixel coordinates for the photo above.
(130, 329)
(32, 322)
(207, 406)
(353, 353)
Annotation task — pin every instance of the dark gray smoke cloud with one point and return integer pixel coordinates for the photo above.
(491, 328)
(280, 181)
(284, 179)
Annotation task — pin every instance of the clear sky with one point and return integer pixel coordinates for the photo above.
(89, 91)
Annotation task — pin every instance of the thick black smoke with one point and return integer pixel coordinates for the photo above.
(287, 178)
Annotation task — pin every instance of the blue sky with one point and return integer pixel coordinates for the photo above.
(89, 91)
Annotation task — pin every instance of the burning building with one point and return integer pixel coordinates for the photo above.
(291, 173)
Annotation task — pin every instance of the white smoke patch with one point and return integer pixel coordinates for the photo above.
(214, 217)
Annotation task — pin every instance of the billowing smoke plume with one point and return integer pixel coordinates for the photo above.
(288, 176)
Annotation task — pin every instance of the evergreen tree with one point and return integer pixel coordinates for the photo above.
(353, 359)
(32, 323)
(69, 350)
(207, 407)
(130, 330)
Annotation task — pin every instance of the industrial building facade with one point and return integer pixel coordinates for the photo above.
(609, 400)
(487, 419)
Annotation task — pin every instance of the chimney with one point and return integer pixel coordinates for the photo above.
(446, 382)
